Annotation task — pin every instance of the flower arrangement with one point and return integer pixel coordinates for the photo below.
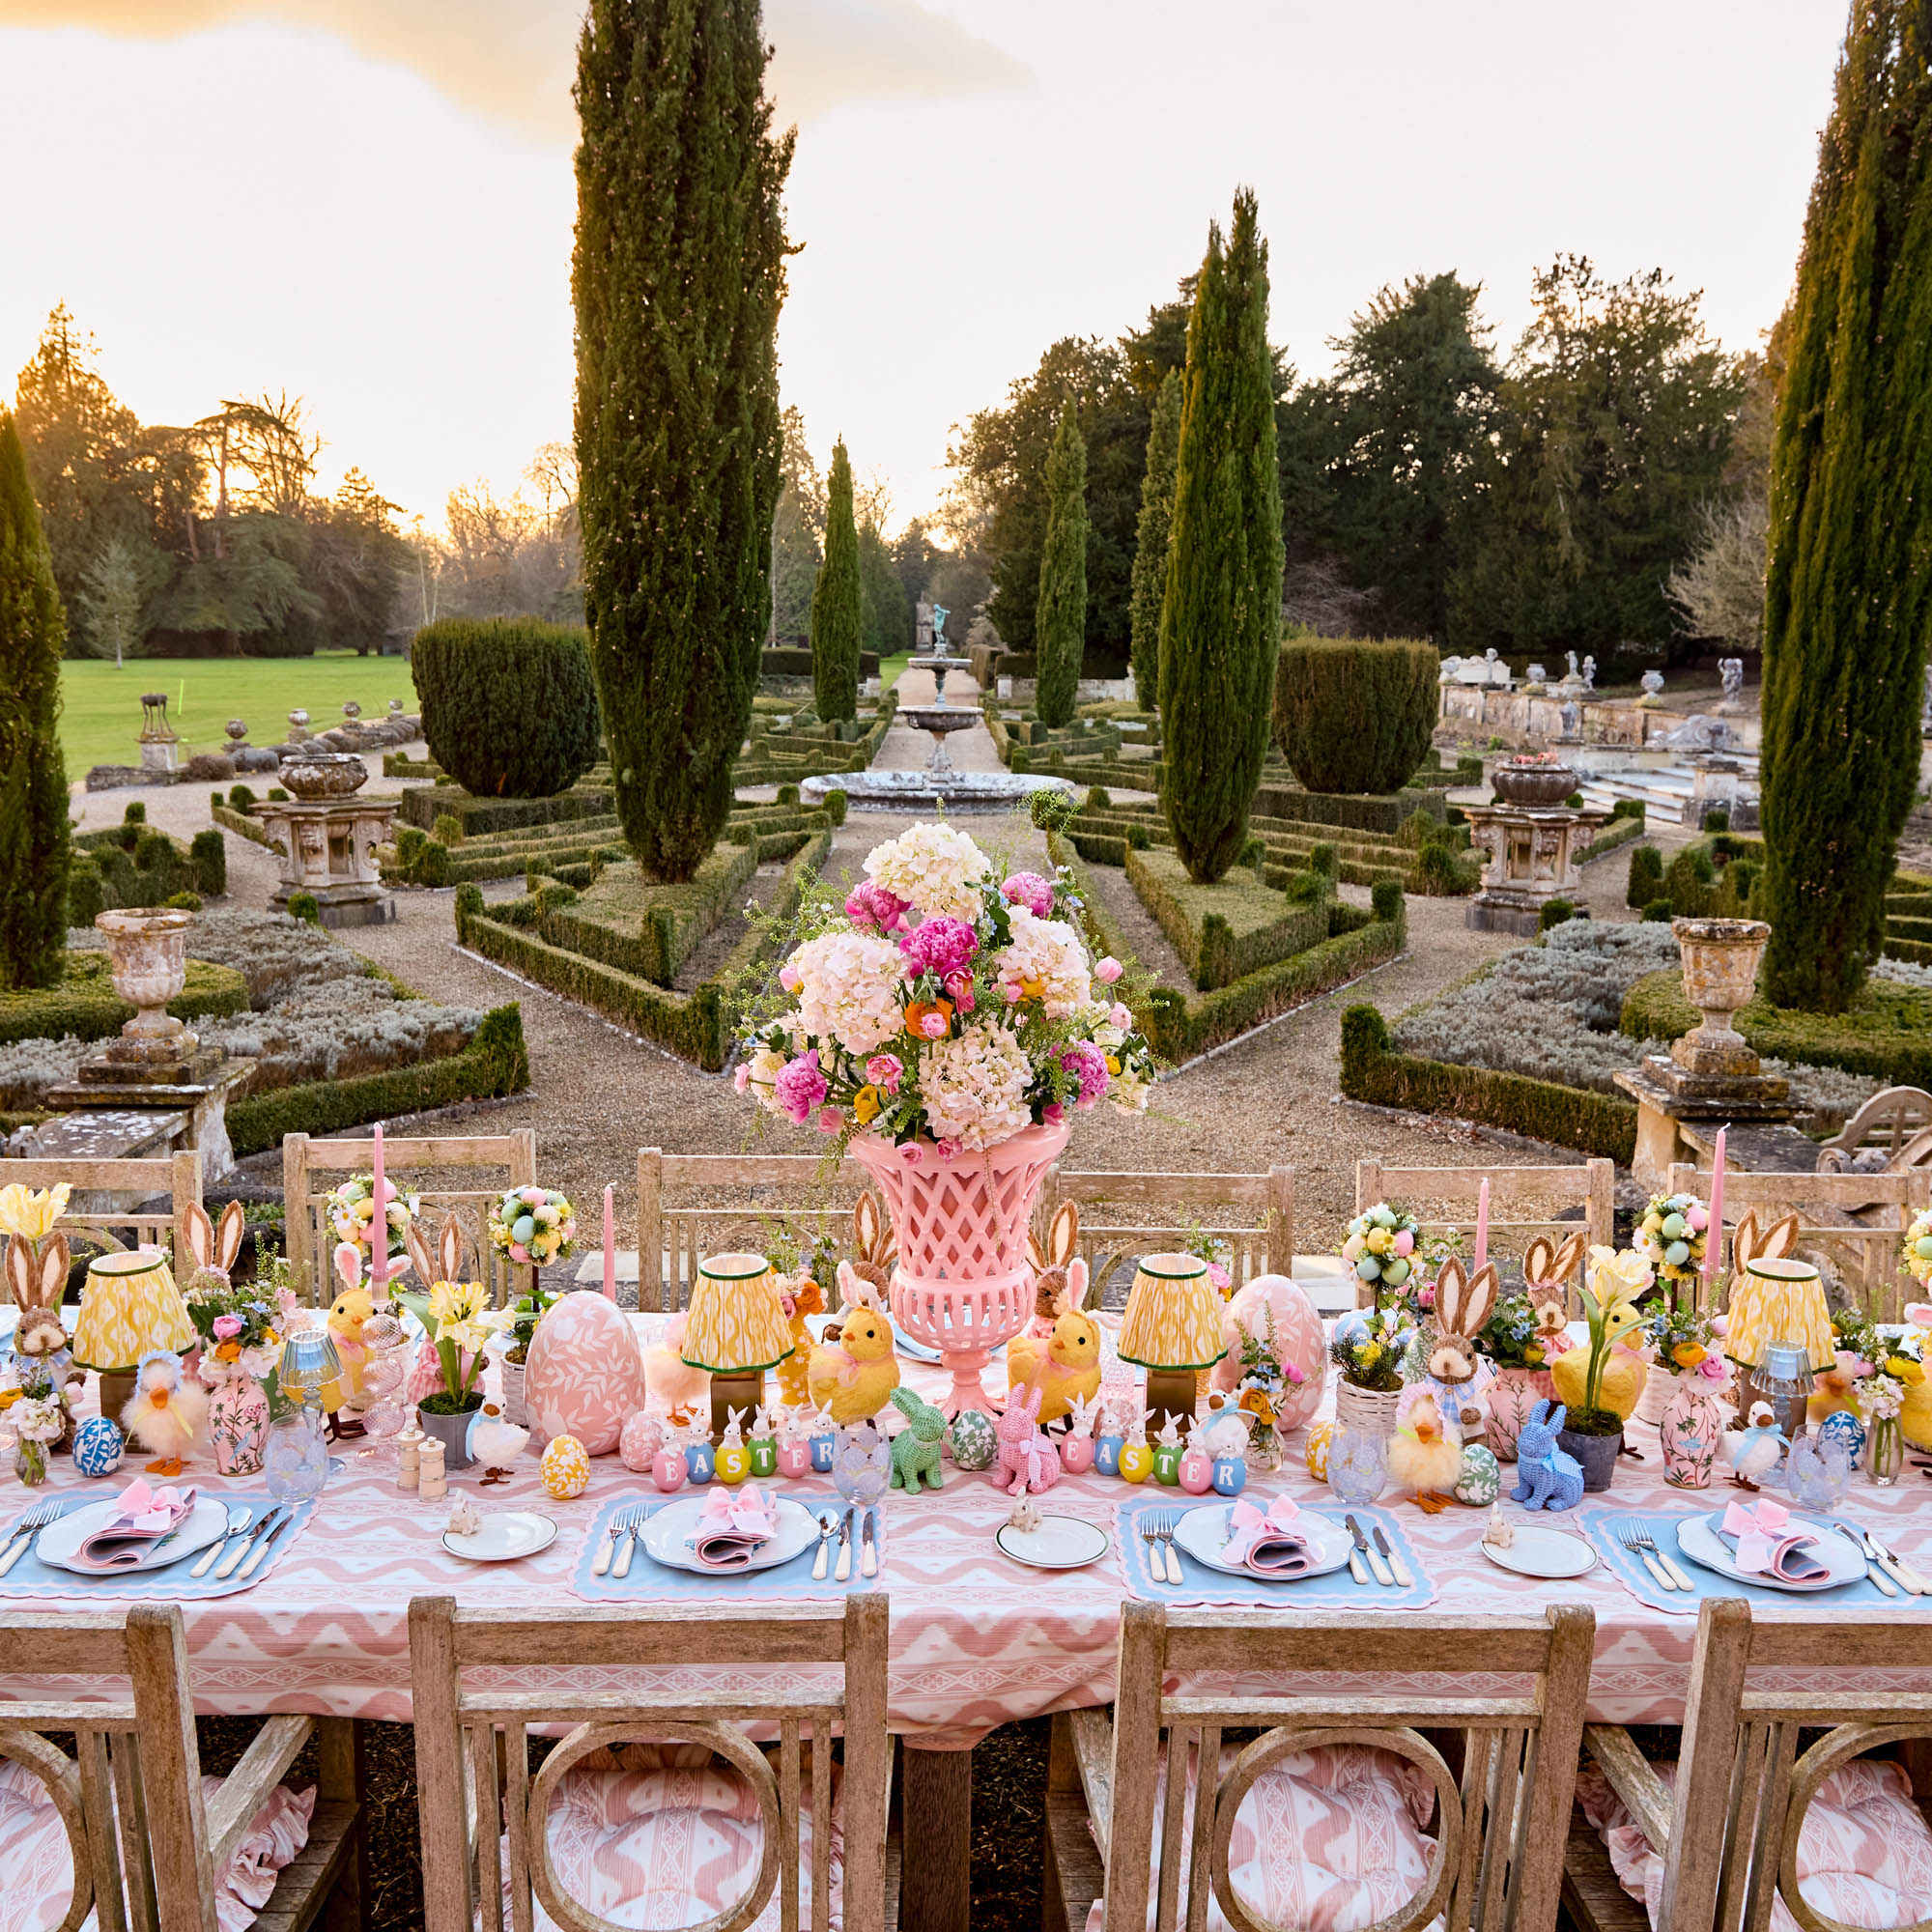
(1610, 1310)
(38, 1421)
(944, 1003)
(1512, 1337)
(351, 1210)
(1671, 1236)
(1917, 1252)
(238, 1331)
(534, 1226)
(1266, 1377)
(1216, 1251)
(525, 1313)
(1684, 1343)
(457, 1317)
(1368, 1344)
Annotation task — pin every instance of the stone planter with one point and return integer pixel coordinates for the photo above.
(147, 954)
(452, 1431)
(323, 774)
(1512, 1396)
(1596, 1455)
(1721, 960)
(1533, 784)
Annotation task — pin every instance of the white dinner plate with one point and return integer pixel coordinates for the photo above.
(502, 1537)
(1060, 1543)
(1843, 1560)
(1541, 1551)
(1203, 1532)
(666, 1537)
(208, 1524)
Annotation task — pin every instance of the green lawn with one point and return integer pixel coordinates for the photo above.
(101, 705)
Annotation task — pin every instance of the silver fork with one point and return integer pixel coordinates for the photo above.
(239, 1516)
(638, 1517)
(1168, 1521)
(27, 1529)
(1156, 1554)
(1638, 1542)
(620, 1525)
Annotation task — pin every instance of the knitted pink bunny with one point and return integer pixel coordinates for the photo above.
(1026, 1449)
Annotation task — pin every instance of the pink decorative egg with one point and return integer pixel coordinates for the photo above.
(642, 1438)
(1297, 1339)
(426, 1377)
(584, 1375)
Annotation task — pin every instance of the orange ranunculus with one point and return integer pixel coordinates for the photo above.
(228, 1352)
(1686, 1355)
(917, 1015)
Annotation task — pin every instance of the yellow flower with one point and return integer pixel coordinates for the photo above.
(1902, 1368)
(1369, 1353)
(32, 1215)
(1618, 1279)
(9, 1397)
(1532, 1357)
(1032, 990)
(865, 1104)
(228, 1352)
(1114, 1064)
(456, 1304)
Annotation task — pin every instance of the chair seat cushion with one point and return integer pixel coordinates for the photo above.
(666, 1835)
(1327, 1840)
(38, 1865)
(1865, 1852)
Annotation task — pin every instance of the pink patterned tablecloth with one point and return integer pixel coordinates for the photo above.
(976, 1640)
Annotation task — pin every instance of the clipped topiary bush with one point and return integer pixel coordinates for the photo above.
(1659, 912)
(208, 853)
(509, 706)
(303, 906)
(1555, 912)
(1355, 715)
(1646, 877)
(447, 829)
(837, 805)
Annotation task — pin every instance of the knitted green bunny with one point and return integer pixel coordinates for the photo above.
(916, 1450)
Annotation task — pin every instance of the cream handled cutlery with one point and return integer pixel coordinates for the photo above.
(24, 1532)
(268, 1526)
(1397, 1569)
(1384, 1575)
(843, 1573)
(620, 1527)
(868, 1559)
(239, 1516)
(252, 1561)
(828, 1529)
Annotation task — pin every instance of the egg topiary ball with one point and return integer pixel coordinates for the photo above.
(565, 1469)
(971, 1439)
(1480, 1477)
(1316, 1454)
(98, 1447)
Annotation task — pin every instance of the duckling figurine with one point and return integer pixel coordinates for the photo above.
(682, 1390)
(1066, 1366)
(854, 1377)
(1425, 1455)
(1625, 1368)
(166, 1414)
(497, 1443)
(1755, 1452)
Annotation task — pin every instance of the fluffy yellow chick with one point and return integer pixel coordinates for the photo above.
(683, 1390)
(1620, 1389)
(165, 1413)
(1831, 1389)
(1424, 1455)
(855, 1377)
(1915, 1415)
(1067, 1364)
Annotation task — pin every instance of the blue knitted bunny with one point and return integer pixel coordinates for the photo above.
(1551, 1478)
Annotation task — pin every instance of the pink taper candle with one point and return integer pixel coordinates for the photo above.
(379, 1235)
(609, 1248)
(1482, 1223)
(1713, 1237)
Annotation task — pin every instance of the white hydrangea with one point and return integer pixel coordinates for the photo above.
(934, 868)
(1047, 962)
(848, 988)
(975, 1086)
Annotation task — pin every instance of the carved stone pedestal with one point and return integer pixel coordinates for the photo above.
(1532, 853)
(327, 839)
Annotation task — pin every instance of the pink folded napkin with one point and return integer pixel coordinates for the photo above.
(143, 1517)
(1267, 1541)
(1764, 1545)
(734, 1526)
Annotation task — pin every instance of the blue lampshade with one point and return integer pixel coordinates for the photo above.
(308, 1361)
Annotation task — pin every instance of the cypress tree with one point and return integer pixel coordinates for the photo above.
(678, 275)
(33, 778)
(1848, 591)
(837, 601)
(1149, 576)
(1220, 617)
(1060, 615)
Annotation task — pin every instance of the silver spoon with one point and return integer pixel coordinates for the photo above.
(238, 1515)
(828, 1529)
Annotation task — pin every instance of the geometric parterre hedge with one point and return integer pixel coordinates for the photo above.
(1232, 928)
(138, 865)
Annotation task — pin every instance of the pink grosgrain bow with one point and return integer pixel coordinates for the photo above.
(1759, 1530)
(144, 1507)
(745, 1510)
(1250, 1524)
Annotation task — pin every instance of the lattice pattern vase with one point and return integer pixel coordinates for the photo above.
(962, 1284)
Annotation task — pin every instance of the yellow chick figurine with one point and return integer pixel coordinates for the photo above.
(1616, 1279)
(799, 1298)
(683, 1390)
(1065, 1364)
(852, 1377)
(353, 1307)
(165, 1413)
(1831, 1389)
(1425, 1455)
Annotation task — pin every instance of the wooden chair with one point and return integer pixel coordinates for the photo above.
(1896, 1123)
(1499, 1816)
(1854, 1221)
(102, 1205)
(1591, 1184)
(147, 1850)
(473, 1749)
(311, 1169)
(1728, 1830)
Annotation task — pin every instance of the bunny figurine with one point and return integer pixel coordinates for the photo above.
(1026, 1451)
(1549, 1478)
(1051, 1263)
(1457, 1374)
(37, 1282)
(1076, 1445)
(1067, 1363)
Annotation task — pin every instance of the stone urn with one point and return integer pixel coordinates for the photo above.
(325, 775)
(1530, 782)
(236, 729)
(147, 954)
(297, 726)
(350, 710)
(1721, 959)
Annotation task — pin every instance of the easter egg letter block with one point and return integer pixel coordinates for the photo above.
(584, 1376)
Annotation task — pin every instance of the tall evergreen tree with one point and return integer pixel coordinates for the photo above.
(1060, 613)
(1848, 592)
(1220, 619)
(1150, 580)
(33, 780)
(837, 601)
(679, 276)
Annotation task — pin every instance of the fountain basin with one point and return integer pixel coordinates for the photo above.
(938, 718)
(955, 792)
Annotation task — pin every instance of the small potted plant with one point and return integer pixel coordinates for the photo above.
(525, 1313)
(241, 1352)
(1692, 1374)
(1367, 1351)
(457, 1317)
(1594, 1427)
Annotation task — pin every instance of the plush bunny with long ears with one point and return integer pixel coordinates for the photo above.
(1463, 1304)
(443, 1261)
(1050, 1261)
(1748, 1245)
(37, 1282)
(214, 1245)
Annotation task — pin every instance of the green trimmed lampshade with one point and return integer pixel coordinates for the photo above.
(130, 1306)
(736, 1324)
(1779, 1300)
(1173, 1315)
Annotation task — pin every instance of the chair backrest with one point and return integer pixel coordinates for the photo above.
(742, 1197)
(1889, 1122)
(129, 1798)
(104, 1204)
(452, 1176)
(1742, 1785)
(1591, 1184)
(1864, 1251)
(1501, 1821)
(460, 1765)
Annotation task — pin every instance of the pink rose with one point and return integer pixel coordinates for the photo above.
(1118, 1016)
(789, 977)
(741, 1078)
(1425, 1298)
(1218, 1275)
(1012, 994)
(933, 1025)
(912, 1153)
(1108, 970)
(948, 1149)
(959, 989)
(227, 1327)
(1292, 1370)
(884, 1070)
(830, 1119)
(1404, 1242)
(1712, 1367)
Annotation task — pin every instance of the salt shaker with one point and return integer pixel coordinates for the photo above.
(409, 1446)
(431, 1484)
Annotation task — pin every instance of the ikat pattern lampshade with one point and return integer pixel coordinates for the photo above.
(737, 1323)
(1172, 1317)
(1779, 1300)
(130, 1304)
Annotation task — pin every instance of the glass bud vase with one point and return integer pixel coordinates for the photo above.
(298, 1455)
(1884, 1451)
(30, 1461)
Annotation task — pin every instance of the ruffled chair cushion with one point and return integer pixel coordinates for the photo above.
(665, 1835)
(1329, 1840)
(39, 1868)
(1864, 1854)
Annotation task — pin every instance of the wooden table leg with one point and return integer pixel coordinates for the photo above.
(936, 1887)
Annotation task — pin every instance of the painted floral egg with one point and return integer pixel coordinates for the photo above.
(98, 1447)
(1271, 1306)
(1481, 1478)
(642, 1438)
(1315, 1455)
(584, 1374)
(971, 1439)
(1841, 1427)
(565, 1468)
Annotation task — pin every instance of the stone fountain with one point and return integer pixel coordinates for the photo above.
(328, 838)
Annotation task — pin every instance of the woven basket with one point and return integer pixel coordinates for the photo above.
(1369, 1409)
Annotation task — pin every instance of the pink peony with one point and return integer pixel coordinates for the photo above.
(830, 1119)
(1052, 1114)
(227, 1326)
(743, 1077)
(884, 1070)
(1120, 1017)
(1030, 890)
(942, 946)
(800, 1086)
(1108, 970)
(1086, 1060)
(874, 909)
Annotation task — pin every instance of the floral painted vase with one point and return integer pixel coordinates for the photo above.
(238, 1426)
(1511, 1395)
(1690, 1429)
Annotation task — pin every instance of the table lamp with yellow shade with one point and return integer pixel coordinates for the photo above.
(1172, 1328)
(736, 1330)
(129, 1306)
(1779, 1319)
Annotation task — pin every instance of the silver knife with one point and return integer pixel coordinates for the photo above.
(1907, 1577)
(1397, 1566)
(868, 1559)
(272, 1520)
(261, 1550)
(1374, 1562)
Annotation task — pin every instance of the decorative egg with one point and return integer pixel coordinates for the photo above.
(1924, 1247)
(1107, 1455)
(523, 1228)
(1315, 1455)
(642, 1438)
(98, 1447)
(1136, 1462)
(668, 1470)
(1481, 1478)
(565, 1467)
(1673, 1228)
(584, 1376)
(1271, 1302)
(1844, 1426)
(733, 1462)
(973, 1441)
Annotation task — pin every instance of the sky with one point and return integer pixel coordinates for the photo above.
(369, 203)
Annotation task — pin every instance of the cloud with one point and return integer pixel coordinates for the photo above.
(514, 60)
